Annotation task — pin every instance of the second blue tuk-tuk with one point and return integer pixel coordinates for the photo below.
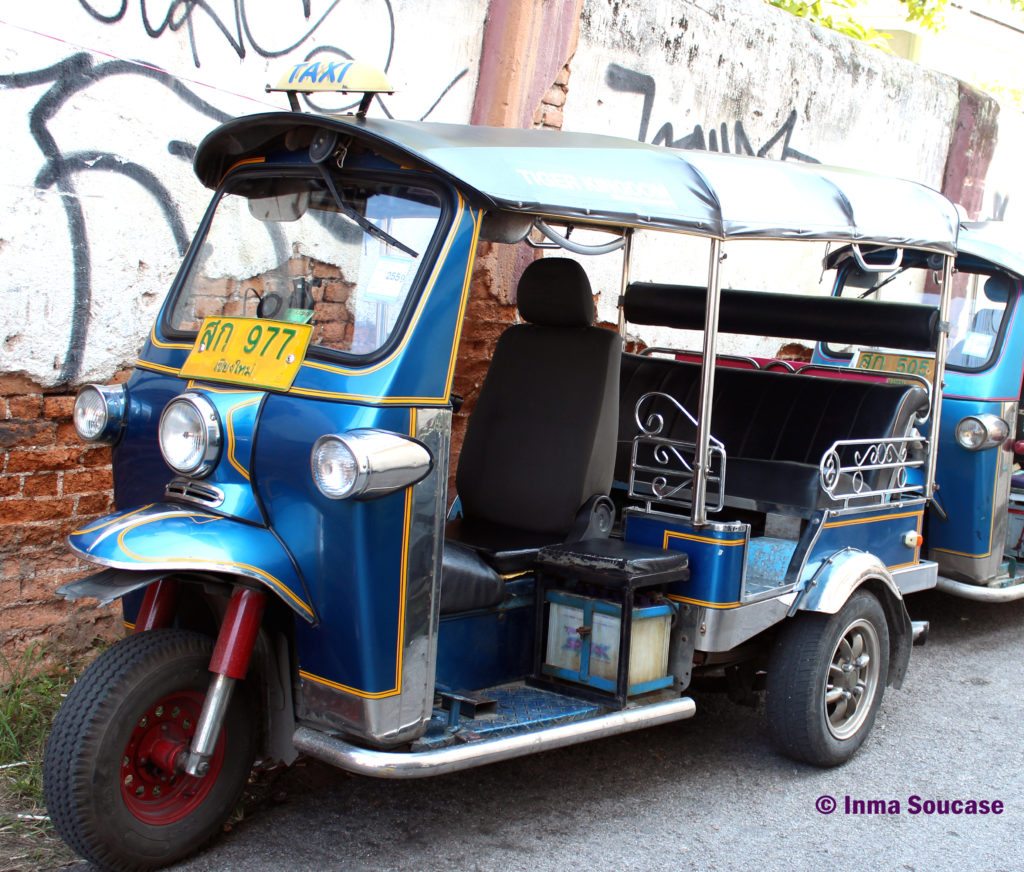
(292, 573)
(974, 527)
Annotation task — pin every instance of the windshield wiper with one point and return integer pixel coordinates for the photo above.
(367, 226)
(881, 285)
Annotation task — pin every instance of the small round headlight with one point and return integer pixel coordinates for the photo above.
(190, 435)
(99, 412)
(335, 467)
(981, 431)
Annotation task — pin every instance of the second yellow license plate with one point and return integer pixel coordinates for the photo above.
(909, 364)
(253, 352)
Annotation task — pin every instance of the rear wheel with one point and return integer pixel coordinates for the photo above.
(825, 682)
(112, 772)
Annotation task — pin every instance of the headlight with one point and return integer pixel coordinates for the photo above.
(190, 435)
(99, 412)
(981, 431)
(367, 463)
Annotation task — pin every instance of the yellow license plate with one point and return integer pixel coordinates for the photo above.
(910, 364)
(253, 352)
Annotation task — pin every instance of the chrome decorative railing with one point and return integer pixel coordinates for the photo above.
(859, 469)
(662, 469)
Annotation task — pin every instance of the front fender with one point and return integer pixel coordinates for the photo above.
(834, 582)
(175, 538)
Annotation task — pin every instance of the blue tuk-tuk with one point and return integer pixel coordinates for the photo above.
(974, 527)
(283, 547)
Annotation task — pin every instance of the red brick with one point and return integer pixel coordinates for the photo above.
(59, 407)
(10, 485)
(34, 615)
(21, 511)
(96, 455)
(94, 504)
(12, 385)
(58, 560)
(46, 535)
(27, 406)
(555, 96)
(48, 459)
(11, 536)
(42, 484)
(26, 432)
(88, 481)
(67, 434)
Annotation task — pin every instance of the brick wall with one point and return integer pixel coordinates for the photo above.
(50, 483)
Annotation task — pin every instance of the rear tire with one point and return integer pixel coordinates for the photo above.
(826, 678)
(110, 791)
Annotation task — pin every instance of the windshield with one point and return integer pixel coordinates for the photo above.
(286, 249)
(976, 308)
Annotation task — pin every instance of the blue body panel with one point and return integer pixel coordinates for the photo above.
(716, 558)
(876, 530)
(176, 537)
(485, 648)
(351, 551)
(967, 487)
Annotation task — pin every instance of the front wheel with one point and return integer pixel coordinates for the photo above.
(111, 773)
(826, 678)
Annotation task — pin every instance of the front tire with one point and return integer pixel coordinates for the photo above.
(826, 678)
(110, 785)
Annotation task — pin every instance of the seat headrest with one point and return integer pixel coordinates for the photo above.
(997, 288)
(555, 292)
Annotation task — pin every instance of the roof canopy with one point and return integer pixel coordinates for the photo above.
(1000, 244)
(606, 180)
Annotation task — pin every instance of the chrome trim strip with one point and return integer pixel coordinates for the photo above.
(935, 412)
(422, 764)
(911, 579)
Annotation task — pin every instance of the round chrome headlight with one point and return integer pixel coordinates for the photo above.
(364, 464)
(99, 412)
(336, 469)
(981, 431)
(190, 435)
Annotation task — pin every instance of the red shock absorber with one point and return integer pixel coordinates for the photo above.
(238, 633)
(158, 605)
(229, 663)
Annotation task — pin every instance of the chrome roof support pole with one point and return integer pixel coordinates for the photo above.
(627, 249)
(940, 372)
(707, 388)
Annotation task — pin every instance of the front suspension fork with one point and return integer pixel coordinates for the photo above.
(229, 664)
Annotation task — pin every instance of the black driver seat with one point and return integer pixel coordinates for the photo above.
(541, 440)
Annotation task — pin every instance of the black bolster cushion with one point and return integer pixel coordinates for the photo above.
(555, 292)
(842, 320)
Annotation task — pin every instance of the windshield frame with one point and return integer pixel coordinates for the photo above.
(447, 203)
(998, 342)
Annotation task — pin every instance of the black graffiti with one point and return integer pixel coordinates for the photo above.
(1000, 202)
(170, 16)
(66, 79)
(625, 80)
(79, 72)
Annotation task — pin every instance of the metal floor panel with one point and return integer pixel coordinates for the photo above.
(519, 709)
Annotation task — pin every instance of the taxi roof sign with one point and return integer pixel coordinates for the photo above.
(339, 76)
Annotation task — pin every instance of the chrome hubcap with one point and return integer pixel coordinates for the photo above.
(852, 679)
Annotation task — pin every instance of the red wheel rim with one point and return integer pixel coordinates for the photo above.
(154, 791)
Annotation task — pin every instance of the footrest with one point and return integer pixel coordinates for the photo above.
(614, 563)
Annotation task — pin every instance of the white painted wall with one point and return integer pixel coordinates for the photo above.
(119, 130)
(741, 76)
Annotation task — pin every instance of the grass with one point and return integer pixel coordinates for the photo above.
(28, 702)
